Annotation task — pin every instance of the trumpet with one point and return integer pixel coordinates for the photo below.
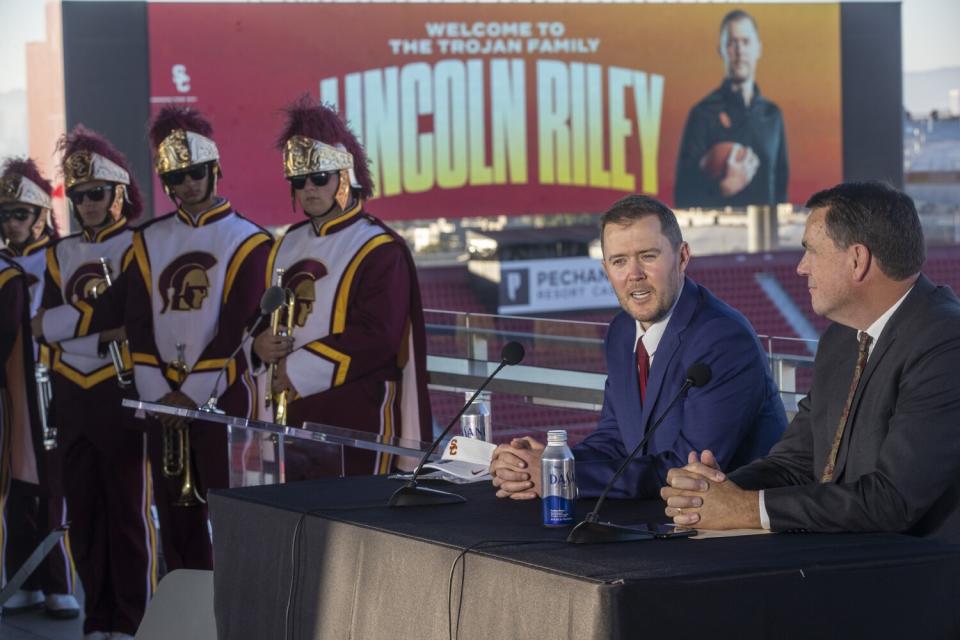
(116, 347)
(176, 446)
(284, 328)
(44, 396)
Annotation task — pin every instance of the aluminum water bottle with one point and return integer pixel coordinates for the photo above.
(476, 422)
(558, 481)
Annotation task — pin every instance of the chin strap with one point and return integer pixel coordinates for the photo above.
(213, 174)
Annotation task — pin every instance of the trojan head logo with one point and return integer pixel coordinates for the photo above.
(300, 279)
(184, 284)
(86, 283)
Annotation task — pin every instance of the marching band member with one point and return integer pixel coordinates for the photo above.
(191, 284)
(105, 468)
(356, 358)
(25, 208)
(196, 280)
(14, 298)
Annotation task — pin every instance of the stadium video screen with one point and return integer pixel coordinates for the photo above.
(487, 109)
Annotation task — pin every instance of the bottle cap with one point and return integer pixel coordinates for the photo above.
(556, 436)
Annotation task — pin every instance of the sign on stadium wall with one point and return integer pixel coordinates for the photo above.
(566, 284)
(481, 109)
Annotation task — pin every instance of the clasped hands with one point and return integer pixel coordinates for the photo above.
(699, 494)
(515, 468)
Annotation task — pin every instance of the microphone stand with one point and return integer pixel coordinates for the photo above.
(210, 406)
(412, 494)
(591, 530)
(269, 303)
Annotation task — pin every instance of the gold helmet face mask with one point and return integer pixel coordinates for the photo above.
(303, 156)
(18, 189)
(82, 167)
(36, 231)
(116, 207)
(183, 149)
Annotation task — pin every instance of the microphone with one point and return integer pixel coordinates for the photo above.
(411, 494)
(270, 301)
(591, 530)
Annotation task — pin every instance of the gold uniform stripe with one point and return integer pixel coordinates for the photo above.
(352, 213)
(127, 259)
(241, 254)
(103, 233)
(343, 294)
(388, 429)
(202, 220)
(86, 315)
(82, 380)
(68, 551)
(53, 265)
(42, 242)
(140, 253)
(8, 274)
(148, 519)
(215, 364)
(272, 260)
(146, 358)
(340, 359)
(203, 366)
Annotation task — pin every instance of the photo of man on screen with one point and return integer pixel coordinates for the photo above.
(733, 151)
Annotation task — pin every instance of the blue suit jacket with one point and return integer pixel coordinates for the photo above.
(738, 415)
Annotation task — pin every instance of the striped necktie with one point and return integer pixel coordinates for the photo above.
(862, 353)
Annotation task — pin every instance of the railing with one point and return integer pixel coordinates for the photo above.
(564, 366)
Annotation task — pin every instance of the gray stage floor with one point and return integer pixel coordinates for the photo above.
(34, 625)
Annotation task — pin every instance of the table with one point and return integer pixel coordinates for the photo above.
(363, 570)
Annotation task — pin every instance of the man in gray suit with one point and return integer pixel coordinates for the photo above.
(875, 445)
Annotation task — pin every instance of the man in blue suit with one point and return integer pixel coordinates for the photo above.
(667, 324)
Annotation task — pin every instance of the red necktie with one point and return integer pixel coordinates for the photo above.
(643, 369)
(862, 353)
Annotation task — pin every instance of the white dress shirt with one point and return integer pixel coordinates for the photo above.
(652, 336)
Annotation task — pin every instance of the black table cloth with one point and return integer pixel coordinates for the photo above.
(363, 570)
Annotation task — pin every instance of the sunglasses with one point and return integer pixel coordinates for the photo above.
(97, 194)
(175, 178)
(318, 179)
(20, 215)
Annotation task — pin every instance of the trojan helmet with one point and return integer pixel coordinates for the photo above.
(22, 183)
(315, 139)
(86, 283)
(184, 283)
(300, 278)
(88, 156)
(181, 138)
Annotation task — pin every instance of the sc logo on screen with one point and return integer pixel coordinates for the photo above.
(180, 77)
(515, 286)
